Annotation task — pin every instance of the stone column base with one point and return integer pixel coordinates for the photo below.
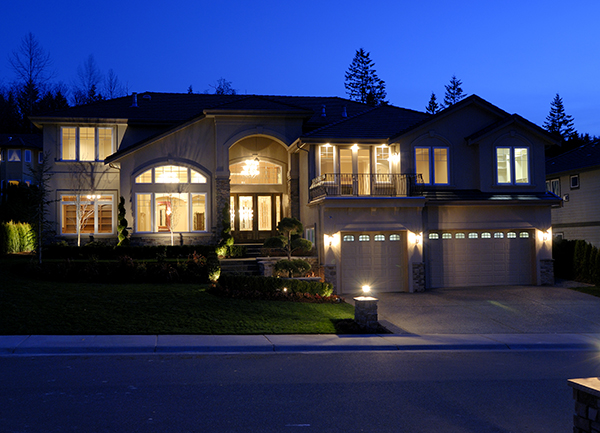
(365, 312)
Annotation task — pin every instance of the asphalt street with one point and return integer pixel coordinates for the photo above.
(420, 391)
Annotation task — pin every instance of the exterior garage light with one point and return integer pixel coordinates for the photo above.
(418, 238)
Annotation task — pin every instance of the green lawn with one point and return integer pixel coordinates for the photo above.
(590, 290)
(29, 306)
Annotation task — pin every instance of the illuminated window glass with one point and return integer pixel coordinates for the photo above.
(394, 237)
(255, 172)
(105, 143)
(69, 144)
(434, 236)
(199, 212)
(144, 212)
(511, 235)
(486, 235)
(87, 144)
(326, 159)
(382, 161)
(524, 234)
(364, 238)
(170, 174)
(446, 235)
(459, 235)
(145, 177)
(512, 165)
(498, 235)
(422, 163)
(379, 238)
(95, 215)
(348, 238)
(197, 177)
(473, 235)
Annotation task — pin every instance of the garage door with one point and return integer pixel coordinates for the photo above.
(376, 259)
(480, 258)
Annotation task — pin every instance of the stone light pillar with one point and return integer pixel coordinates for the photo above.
(365, 312)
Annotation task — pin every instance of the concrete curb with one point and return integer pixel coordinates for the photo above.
(220, 344)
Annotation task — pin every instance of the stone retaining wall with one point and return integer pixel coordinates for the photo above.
(586, 393)
(547, 272)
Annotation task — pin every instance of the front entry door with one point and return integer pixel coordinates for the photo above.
(254, 216)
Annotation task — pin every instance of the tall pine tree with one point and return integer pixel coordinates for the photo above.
(558, 122)
(362, 83)
(433, 107)
(454, 92)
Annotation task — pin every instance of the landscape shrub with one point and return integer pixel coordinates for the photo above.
(16, 237)
(291, 268)
(196, 268)
(563, 252)
(104, 251)
(249, 287)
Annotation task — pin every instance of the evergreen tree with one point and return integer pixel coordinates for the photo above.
(362, 83)
(454, 92)
(558, 122)
(433, 107)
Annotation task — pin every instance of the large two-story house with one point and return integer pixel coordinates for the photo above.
(393, 198)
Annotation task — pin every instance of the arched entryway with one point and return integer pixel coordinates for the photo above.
(258, 169)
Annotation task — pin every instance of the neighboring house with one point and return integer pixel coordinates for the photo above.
(393, 198)
(575, 177)
(19, 153)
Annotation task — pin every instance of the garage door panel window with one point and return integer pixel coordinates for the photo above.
(364, 238)
(348, 238)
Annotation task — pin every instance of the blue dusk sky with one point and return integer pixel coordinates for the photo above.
(515, 54)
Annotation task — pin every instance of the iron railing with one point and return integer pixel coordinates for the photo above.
(369, 185)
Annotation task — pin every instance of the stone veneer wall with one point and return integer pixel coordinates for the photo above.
(294, 189)
(330, 276)
(223, 193)
(547, 272)
(418, 274)
(586, 393)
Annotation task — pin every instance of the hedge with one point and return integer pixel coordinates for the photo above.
(577, 259)
(267, 287)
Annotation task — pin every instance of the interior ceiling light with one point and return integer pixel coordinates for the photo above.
(250, 168)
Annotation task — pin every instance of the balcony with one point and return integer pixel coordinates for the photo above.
(366, 185)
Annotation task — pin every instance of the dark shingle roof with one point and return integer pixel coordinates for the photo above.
(586, 156)
(29, 141)
(380, 122)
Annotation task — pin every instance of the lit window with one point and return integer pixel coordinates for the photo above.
(473, 235)
(95, 215)
(512, 165)
(86, 143)
(145, 177)
(394, 238)
(197, 177)
(524, 234)
(383, 162)
(434, 236)
(511, 235)
(486, 235)
(446, 235)
(498, 235)
(434, 170)
(364, 238)
(326, 159)
(459, 235)
(253, 172)
(379, 238)
(348, 238)
(170, 174)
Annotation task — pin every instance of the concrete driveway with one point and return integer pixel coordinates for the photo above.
(490, 310)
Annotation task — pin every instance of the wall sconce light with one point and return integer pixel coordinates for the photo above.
(396, 157)
(328, 240)
(355, 146)
(418, 238)
(546, 236)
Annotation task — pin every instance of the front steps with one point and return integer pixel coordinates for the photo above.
(243, 266)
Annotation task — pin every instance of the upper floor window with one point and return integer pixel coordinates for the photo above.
(255, 172)
(170, 174)
(28, 156)
(14, 155)
(574, 178)
(79, 143)
(553, 186)
(382, 160)
(326, 159)
(512, 165)
(432, 164)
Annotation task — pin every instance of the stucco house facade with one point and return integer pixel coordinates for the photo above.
(19, 153)
(575, 177)
(393, 198)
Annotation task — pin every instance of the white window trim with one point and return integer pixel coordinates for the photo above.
(96, 142)
(513, 174)
(431, 161)
(190, 216)
(96, 202)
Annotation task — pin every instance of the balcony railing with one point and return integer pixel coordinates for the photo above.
(366, 185)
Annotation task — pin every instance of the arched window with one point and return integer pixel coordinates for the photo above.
(171, 198)
(255, 172)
